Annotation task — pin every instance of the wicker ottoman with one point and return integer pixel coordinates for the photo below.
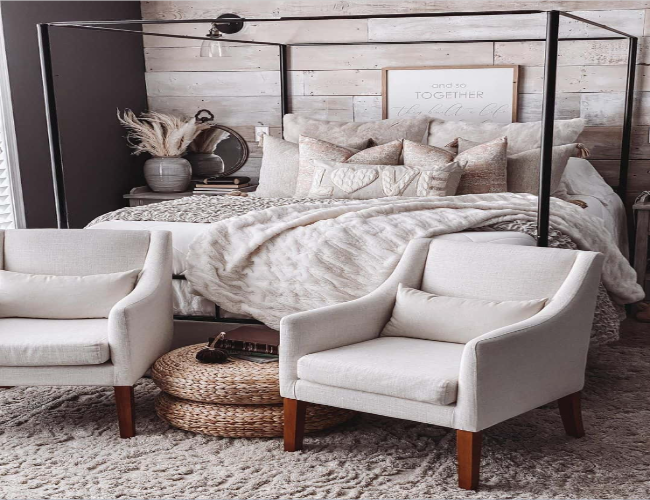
(235, 399)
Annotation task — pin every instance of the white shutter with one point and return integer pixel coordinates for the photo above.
(11, 207)
(6, 201)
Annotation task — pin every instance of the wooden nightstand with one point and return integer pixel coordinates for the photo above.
(144, 196)
(642, 214)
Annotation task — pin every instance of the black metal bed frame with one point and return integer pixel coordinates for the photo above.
(548, 106)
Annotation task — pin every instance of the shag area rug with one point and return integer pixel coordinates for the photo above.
(63, 443)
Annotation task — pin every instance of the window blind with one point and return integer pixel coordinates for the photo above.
(7, 220)
(11, 206)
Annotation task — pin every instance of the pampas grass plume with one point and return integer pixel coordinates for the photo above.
(159, 134)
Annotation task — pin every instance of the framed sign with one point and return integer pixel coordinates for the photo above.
(452, 93)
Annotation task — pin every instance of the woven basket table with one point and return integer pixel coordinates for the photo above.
(235, 399)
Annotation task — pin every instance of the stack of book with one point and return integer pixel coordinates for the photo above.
(223, 185)
(252, 343)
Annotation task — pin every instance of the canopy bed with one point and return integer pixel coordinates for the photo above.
(545, 218)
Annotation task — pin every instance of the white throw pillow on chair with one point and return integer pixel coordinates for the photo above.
(62, 297)
(422, 315)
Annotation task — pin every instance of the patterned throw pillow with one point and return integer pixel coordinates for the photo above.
(422, 156)
(339, 180)
(487, 167)
(315, 149)
(523, 168)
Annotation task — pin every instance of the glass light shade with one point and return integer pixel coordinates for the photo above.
(212, 48)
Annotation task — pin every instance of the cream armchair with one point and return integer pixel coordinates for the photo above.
(115, 351)
(334, 355)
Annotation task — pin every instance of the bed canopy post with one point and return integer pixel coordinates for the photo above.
(56, 158)
(284, 95)
(627, 120)
(548, 118)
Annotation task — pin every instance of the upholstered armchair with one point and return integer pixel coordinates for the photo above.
(114, 351)
(334, 355)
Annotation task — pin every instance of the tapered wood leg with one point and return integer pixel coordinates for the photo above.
(294, 424)
(571, 413)
(468, 447)
(125, 402)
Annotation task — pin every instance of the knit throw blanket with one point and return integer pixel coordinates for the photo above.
(271, 257)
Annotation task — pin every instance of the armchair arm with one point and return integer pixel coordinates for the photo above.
(141, 325)
(347, 323)
(517, 368)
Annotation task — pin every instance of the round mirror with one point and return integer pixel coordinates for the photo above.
(217, 151)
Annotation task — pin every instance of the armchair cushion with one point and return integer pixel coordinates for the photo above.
(413, 369)
(422, 315)
(63, 297)
(53, 342)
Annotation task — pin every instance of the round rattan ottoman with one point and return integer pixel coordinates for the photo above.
(236, 399)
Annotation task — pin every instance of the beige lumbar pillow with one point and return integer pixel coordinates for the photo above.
(335, 180)
(62, 297)
(315, 149)
(422, 315)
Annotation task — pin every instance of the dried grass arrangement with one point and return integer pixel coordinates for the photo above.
(159, 134)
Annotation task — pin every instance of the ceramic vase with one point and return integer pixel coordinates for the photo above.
(168, 175)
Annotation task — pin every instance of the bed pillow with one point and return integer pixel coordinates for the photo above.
(487, 167)
(336, 180)
(521, 136)
(422, 315)
(62, 297)
(315, 149)
(523, 168)
(421, 155)
(279, 172)
(580, 178)
(355, 134)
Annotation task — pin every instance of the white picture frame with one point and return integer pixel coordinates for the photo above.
(452, 93)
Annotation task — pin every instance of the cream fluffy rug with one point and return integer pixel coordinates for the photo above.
(62, 443)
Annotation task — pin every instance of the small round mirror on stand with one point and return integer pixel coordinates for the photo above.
(217, 151)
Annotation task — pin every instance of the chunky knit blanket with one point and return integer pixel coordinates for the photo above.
(271, 257)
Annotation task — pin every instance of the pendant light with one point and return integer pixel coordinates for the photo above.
(215, 47)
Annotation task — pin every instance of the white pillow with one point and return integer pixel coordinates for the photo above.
(62, 297)
(580, 177)
(521, 136)
(422, 315)
(280, 163)
(356, 134)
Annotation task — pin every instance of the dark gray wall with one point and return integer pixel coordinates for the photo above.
(95, 73)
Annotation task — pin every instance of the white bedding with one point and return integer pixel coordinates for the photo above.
(298, 257)
(581, 181)
(187, 304)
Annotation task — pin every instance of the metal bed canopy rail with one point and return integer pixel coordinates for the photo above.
(548, 107)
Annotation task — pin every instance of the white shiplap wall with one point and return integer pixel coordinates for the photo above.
(344, 82)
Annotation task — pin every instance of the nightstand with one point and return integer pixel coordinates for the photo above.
(144, 196)
(642, 214)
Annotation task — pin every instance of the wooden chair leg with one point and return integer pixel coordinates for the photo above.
(125, 402)
(571, 413)
(468, 447)
(294, 424)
